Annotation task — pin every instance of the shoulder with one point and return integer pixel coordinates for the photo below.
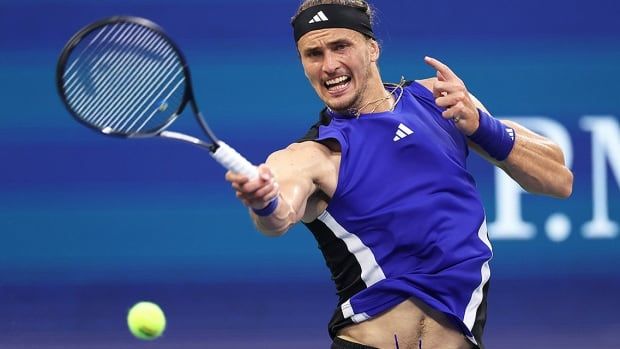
(306, 164)
(421, 88)
(428, 83)
(302, 158)
(306, 149)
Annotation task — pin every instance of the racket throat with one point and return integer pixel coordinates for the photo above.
(189, 139)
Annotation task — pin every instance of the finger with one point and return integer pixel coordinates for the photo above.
(439, 88)
(457, 110)
(264, 177)
(235, 177)
(275, 191)
(264, 200)
(448, 113)
(450, 99)
(443, 88)
(437, 91)
(252, 187)
(243, 199)
(262, 192)
(242, 188)
(235, 186)
(440, 76)
(264, 172)
(445, 71)
(448, 86)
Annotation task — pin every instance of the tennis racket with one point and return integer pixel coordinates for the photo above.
(123, 76)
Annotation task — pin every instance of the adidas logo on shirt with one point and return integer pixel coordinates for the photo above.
(319, 17)
(402, 132)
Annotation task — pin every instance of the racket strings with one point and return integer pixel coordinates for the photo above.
(71, 73)
(103, 83)
(139, 83)
(134, 90)
(94, 64)
(125, 88)
(87, 98)
(125, 79)
(90, 58)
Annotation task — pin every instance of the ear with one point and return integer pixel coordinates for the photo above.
(375, 50)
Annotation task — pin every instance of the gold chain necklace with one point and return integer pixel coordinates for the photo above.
(377, 102)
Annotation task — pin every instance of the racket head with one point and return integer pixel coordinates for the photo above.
(123, 76)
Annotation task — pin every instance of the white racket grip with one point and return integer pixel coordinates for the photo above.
(232, 160)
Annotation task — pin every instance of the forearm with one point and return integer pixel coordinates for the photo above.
(277, 200)
(278, 222)
(533, 161)
(291, 204)
(537, 164)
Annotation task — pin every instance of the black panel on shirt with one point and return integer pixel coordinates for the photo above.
(344, 267)
(313, 132)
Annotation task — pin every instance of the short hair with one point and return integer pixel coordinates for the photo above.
(361, 4)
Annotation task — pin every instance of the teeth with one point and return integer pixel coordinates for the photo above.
(336, 80)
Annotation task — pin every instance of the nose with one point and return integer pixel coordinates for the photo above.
(330, 63)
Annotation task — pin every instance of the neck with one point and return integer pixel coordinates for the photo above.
(379, 100)
(375, 99)
(382, 104)
(377, 104)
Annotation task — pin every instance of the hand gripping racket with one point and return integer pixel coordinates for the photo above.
(123, 76)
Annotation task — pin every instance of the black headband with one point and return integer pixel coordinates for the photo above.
(332, 16)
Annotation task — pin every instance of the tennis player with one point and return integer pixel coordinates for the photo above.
(381, 181)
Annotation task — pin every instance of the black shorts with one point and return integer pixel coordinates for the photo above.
(340, 343)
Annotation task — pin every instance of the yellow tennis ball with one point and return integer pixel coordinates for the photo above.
(146, 320)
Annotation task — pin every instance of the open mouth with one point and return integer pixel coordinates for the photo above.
(337, 84)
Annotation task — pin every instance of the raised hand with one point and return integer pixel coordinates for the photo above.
(450, 93)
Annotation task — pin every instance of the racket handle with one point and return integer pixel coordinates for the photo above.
(232, 160)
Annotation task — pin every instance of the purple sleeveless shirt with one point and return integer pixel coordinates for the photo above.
(406, 219)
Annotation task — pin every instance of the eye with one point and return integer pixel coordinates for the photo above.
(313, 53)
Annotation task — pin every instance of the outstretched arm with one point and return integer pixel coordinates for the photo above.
(535, 162)
(278, 197)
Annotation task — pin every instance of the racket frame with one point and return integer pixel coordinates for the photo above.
(188, 94)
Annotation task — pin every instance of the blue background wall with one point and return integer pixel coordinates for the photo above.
(90, 225)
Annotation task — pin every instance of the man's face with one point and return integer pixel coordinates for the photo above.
(337, 62)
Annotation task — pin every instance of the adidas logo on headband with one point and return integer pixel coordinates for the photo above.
(340, 16)
(319, 17)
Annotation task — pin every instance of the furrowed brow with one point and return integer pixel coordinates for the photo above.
(309, 50)
(339, 42)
